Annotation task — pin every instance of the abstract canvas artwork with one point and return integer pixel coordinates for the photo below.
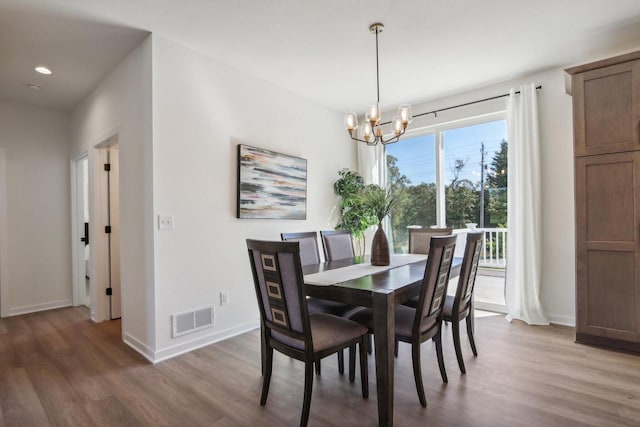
(271, 185)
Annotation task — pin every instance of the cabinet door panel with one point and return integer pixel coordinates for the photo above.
(607, 109)
(608, 255)
(609, 193)
(612, 306)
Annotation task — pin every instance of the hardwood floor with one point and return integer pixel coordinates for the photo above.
(58, 368)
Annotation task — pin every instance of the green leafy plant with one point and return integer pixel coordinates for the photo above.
(356, 213)
(379, 200)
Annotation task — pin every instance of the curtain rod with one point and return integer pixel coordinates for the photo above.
(435, 112)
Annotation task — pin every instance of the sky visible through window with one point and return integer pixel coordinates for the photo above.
(416, 156)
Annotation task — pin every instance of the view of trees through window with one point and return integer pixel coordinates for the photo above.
(473, 165)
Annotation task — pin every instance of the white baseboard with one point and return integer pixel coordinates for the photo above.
(185, 347)
(15, 311)
(138, 346)
(557, 319)
(487, 306)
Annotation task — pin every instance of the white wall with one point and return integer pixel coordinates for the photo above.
(38, 232)
(556, 135)
(121, 106)
(201, 111)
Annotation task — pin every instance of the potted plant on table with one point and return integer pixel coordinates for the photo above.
(380, 201)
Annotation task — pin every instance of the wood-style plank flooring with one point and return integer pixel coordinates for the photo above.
(58, 368)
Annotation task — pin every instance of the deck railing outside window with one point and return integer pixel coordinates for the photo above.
(494, 246)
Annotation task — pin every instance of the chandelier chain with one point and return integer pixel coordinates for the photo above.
(377, 68)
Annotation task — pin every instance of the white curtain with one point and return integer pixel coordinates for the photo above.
(370, 163)
(522, 284)
(372, 167)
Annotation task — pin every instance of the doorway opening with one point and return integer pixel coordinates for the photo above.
(82, 252)
(96, 231)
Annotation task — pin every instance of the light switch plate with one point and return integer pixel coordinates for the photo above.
(165, 222)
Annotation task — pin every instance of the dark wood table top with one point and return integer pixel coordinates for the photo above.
(404, 281)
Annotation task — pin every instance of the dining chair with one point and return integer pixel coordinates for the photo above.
(417, 325)
(419, 243)
(288, 326)
(460, 307)
(419, 238)
(310, 254)
(337, 244)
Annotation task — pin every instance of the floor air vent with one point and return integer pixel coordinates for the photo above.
(191, 321)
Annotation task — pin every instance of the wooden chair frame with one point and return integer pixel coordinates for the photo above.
(309, 356)
(463, 300)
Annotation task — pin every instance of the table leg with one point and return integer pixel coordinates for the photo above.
(384, 333)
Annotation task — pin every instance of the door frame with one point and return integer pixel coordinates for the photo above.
(100, 250)
(98, 217)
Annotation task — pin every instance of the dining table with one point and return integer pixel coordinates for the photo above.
(354, 281)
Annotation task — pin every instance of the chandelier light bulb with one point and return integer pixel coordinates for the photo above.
(366, 131)
(397, 126)
(350, 122)
(374, 113)
(404, 113)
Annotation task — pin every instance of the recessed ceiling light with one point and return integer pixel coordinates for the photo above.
(33, 86)
(43, 70)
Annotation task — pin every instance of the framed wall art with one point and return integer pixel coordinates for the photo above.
(271, 185)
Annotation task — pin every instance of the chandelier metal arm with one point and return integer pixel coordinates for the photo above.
(380, 139)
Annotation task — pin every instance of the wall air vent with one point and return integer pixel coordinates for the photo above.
(191, 321)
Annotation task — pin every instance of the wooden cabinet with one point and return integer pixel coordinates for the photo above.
(606, 110)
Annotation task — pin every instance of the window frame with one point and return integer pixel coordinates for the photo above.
(438, 129)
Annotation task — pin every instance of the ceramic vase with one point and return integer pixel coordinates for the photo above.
(380, 248)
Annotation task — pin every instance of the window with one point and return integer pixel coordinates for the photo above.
(411, 175)
(437, 178)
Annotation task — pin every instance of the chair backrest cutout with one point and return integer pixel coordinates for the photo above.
(435, 282)
(277, 274)
(468, 270)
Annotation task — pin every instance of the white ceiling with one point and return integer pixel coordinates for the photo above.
(79, 52)
(319, 49)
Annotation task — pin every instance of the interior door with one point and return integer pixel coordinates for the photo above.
(114, 236)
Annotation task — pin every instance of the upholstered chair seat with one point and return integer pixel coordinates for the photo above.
(327, 331)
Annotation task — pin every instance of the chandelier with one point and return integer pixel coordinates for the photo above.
(370, 131)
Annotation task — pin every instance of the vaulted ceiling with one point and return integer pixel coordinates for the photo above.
(319, 49)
